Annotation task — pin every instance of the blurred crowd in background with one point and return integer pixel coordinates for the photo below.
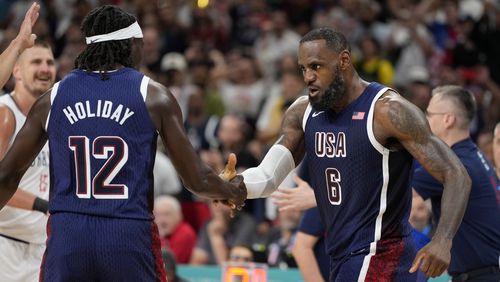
(232, 65)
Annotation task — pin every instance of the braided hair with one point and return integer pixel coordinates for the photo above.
(104, 56)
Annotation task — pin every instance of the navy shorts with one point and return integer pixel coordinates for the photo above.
(91, 248)
(390, 262)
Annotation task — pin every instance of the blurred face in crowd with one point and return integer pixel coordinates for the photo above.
(167, 216)
(240, 254)
(420, 94)
(230, 131)
(151, 45)
(321, 71)
(221, 212)
(35, 70)
(245, 70)
(369, 48)
(292, 85)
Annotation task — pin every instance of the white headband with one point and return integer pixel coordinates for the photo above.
(131, 31)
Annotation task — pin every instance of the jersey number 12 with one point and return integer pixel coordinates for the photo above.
(114, 150)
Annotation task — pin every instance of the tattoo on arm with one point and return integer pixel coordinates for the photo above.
(415, 135)
(292, 134)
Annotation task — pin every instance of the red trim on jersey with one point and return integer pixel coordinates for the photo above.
(384, 263)
(42, 265)
(156, 248)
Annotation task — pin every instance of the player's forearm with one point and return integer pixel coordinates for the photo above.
(28, 201)
(219, 248)
(7, 59)
(8, 185)
(457, 186)
(22, 200)
(307, 264)
(207, 184)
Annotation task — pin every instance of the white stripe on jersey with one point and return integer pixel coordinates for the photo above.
(306, 115)
(383, 193)
(144, 87)
(53, 94)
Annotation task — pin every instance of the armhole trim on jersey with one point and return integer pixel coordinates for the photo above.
(53, 94)
(369, 123)
(307, 112)
(144, 87)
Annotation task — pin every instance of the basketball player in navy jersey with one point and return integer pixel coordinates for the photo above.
(102, 121)
(361, 139)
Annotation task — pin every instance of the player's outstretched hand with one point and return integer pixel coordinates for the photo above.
(433, 259)
(229, 174)
(296, 199)
(25, 37)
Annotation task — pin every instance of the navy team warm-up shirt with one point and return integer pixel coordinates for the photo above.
(477, 242)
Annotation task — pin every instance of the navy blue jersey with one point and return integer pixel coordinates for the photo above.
(103, 144)
(477, 242)
(362, 188)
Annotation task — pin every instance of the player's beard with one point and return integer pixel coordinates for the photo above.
(332, 95)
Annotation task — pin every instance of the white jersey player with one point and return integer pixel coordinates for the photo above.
(22, 229)
(23, 222)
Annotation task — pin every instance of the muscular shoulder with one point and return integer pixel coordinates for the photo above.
(157, 94)
(396, 117)
(7, 122)
(160, 103)
(6, 115)
(295, 112)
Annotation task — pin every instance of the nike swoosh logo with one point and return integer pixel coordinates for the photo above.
(315, 114)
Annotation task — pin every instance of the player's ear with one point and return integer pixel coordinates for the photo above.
(344, 59)
(16, 72)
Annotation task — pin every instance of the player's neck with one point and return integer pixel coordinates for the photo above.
(355, 87)
(456, 136)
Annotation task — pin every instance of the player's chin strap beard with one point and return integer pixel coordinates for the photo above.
(131, 31)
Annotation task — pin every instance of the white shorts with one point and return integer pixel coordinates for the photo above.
(20, 261)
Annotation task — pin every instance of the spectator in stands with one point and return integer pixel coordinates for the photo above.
(279, 251)
(276, 40)
(175, 235)
(240, 254)
(371, 66)
(220, 234)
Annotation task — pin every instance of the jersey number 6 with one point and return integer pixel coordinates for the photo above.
(333, 186)
(114, 150)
